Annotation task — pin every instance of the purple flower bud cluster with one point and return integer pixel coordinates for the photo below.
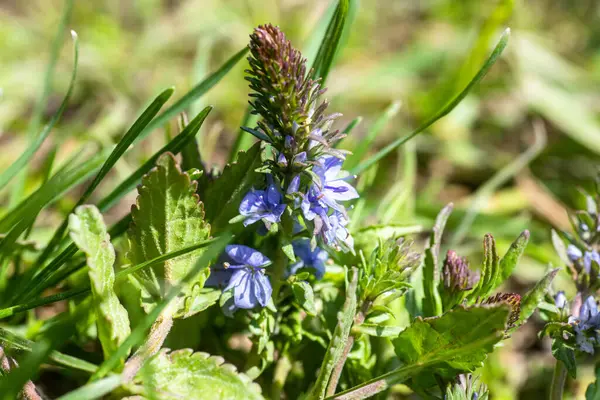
(456, 273)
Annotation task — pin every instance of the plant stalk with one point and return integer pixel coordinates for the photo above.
(558, 381)
(158, 333)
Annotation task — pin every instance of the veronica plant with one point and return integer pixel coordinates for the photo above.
(266, 263)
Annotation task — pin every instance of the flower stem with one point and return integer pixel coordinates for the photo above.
(158, 333)
(558, 381)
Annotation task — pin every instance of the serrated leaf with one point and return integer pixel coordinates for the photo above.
(535, 296)
(167, 217)
(455, 342)
(303, 293)
(182, 374)
(512, 256)
(223, 196)
(88, 231)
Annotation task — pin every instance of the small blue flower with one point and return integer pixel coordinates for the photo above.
(309, 258)
(574, 253)
(560, 300)
(244, 276)
(335, 233)
(586, 325)
(265, 205)
(588, 257)
(333, 188)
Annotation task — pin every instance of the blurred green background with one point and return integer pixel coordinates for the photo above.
(510, 156)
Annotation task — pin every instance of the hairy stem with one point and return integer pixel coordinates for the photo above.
(337, 370)
(339, 367)
(558, 381)
(158, 333)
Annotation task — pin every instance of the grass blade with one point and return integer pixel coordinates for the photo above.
(126, 141)
(26, 156)
(363, 146)
(17, 223)
(40, 106)
(12, 341)
(174, 146)
(10, 311)
(94, 390)
(442, 112)
(191, 96)
(45, 278)
(332, 41)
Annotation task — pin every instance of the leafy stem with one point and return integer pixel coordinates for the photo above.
(558, 381)
(158, 333)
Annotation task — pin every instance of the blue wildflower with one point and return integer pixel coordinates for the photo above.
(560, 300)
(266, 205)
(574, 253)
(335, 233)
(588, 257)
(244, 276)
(309, 258)
(333, 188)
(586, 325)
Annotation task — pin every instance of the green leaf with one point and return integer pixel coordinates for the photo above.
(288, 250)
(339, 339)
(26, 156)
(223, 196)
(442, 112)
(194, 376)
(535, 296)
(331, 42)
(512, 256)
(198, 300)
(378, 330)
(303, 293)
(432, 302)
(490, 269)
(593, 390)
(167, 217)
(455, 342)
(88, 231)
(565, 353)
